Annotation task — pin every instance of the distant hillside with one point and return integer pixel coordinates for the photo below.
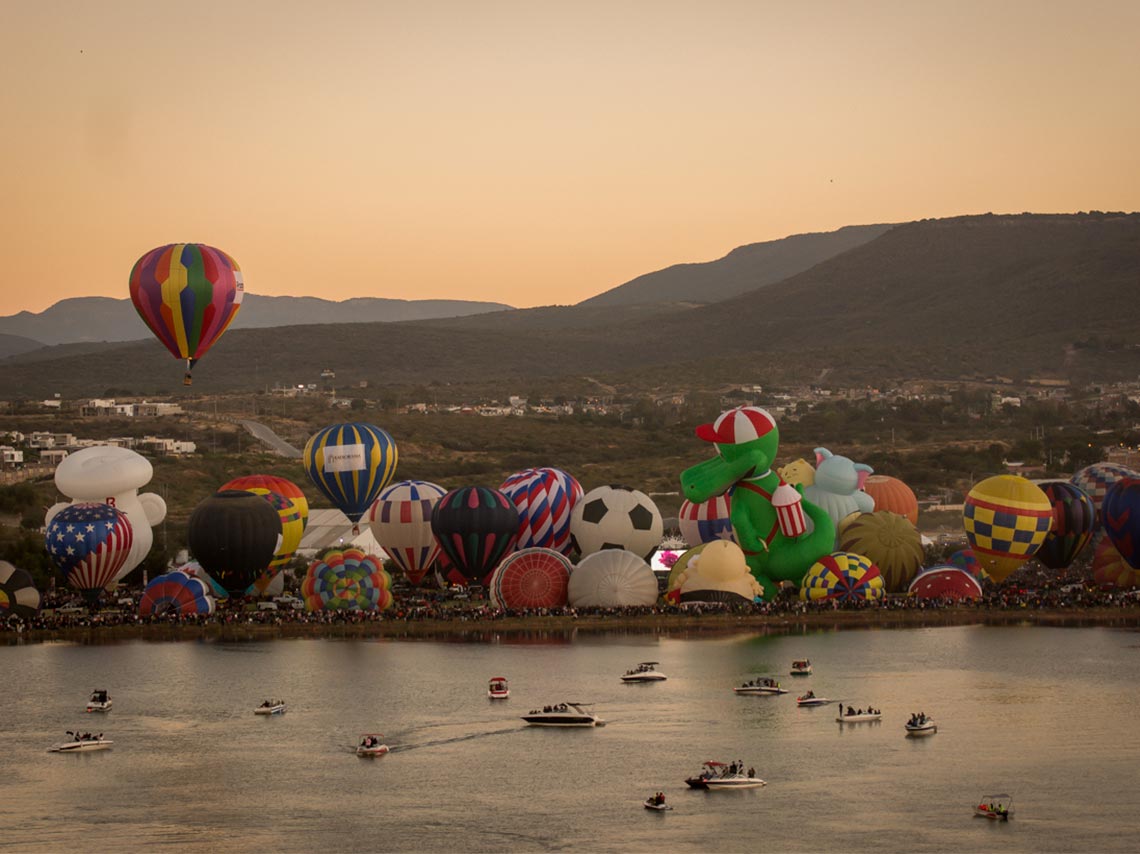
(11, 345)
(744, 269)
(106, 319)
(1028, 295)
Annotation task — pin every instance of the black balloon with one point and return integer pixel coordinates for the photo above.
(233, 534)
(476, 526)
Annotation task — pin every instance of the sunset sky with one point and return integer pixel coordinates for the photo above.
(534, 152)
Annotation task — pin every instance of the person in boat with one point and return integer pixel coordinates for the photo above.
(751, 773)
(809, 695)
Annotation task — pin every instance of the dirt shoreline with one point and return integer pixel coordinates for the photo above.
(535, 629)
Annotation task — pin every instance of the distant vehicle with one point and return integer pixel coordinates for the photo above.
(267, 606)
(289, 602)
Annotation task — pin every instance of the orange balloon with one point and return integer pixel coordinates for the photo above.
(892, 494)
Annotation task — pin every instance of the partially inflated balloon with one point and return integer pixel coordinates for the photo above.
(890, 541)
(612, 578)
(476, 526)
(351, 464)
(18, 594)
(1121, 511)
(400, 520)
(176, 593)
(1074, 517)
(292, 508)
(187, 293)
(843, 576)
(89, 543)
(530, 578)
(233, 535)
(945, 582)
(545, 498)
(1006, 519)
(1111, 570)
(347, 580)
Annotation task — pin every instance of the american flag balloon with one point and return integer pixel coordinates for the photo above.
(400, 520)
(89, 542)
(706, 521)
(545, 498)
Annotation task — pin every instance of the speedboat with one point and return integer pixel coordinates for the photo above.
(811, 700)
(860, 717)
(762, 686)
(270, 707)
(995, 807)
(921, 725)
(644, 672)
(652, 804)
(82, 743)
(100, 701)
(371, 745)
(564, 714)
(801, 667)
(498, 689)
(719, 775)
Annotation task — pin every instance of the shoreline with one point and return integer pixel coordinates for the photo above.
(559, 628)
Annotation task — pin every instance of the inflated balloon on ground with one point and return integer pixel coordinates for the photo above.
(1074, 519)
(400, 520)
(18, 594)
(531, 578)
(346, 580)
(1006, 519)
(706, 521)
(890, 541)
(1121, 511)
(234, 534)
(890, 493)
(616, 517)
(843, 576)
(476, 527)
(719, 573)
(545, 498)
(176, 593)
(89, 543)
(945, 582)
(612, 578)
(351, 464)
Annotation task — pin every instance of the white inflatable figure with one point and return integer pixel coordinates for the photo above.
(113, 475)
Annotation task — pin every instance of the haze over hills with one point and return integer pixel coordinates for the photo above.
(108, 319)
(12, 345)
(1026, 295)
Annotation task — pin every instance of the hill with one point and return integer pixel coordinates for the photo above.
(1026, 295)
(84, 319)
(12, 345)
(742, 270)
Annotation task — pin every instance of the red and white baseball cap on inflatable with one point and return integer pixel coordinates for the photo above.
(738, 426)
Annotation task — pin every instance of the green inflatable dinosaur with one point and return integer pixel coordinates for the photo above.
(746, 441)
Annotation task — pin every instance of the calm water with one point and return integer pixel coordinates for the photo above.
(1048, 714)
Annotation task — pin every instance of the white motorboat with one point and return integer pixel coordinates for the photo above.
(498, 689)
(564, 714)
(270, 707)
(82, 743)
(852, 716)
(761, 686)
(100, 701)
(719, 775)
(654, 804)
(921, 725)
(810, 700)
(371, 745)
(646, 671)
(995, 807)
(801, 667)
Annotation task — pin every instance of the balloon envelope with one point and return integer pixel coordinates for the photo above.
(531, 578)
(290, 512)
(843, 576)
(400, 520)
(616, 517)
(187, 294)
(545, 498)
(346, 579)
(475, 526)
(233, 534)
(612, 578)
(1006, 519)
(1121, 511)
(177, 593)
(892, 494)
(18, 594)
(1074, 517)
(350, 464)
(1111, 570)
(945, 582)
(89, 542)
(890, 541)
(707, 521)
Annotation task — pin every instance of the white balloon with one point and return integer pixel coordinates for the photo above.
(612, 578)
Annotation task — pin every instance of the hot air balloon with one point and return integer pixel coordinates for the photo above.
(89, 542)
(18, 594)
(890, 541)
(1121, 512)
(966, 560)
(187, 293)
(400, 520)
(293, 510)
(616, 517)
(545, 498)
(1006, 519)
(1109, 569)
(844, 576)
(177, 593)
(350, 464)
(233, 534)
(346, 580)
(945, 582)
(530, 578)
(892, 494)
(1095, 480)
(475, 526)
(707, 521)
(1074, 517)
(611, 578)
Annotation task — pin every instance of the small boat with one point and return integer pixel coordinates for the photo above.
(801, 667)
(82, 743)
(653, 804)
(995, 807)
(498, 689)
(810, 700)
(100, 701)
(860, 717)
(720, 775)
(371, 745)
(761, 686)
(646, 671)
(921, 725)
(564, 714)
(270, 707)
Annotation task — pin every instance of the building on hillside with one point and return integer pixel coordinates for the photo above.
(53, 456)
(162, 447)
(11, 457)
(43, 440)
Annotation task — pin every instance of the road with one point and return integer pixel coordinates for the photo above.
(263, 434)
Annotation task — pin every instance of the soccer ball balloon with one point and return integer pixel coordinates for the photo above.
(616, 517)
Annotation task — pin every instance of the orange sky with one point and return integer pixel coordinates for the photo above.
(534, 152)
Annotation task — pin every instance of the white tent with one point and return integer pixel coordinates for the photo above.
(328, 529)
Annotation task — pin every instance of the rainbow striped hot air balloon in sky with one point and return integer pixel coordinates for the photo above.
(188, 294)
(350, 464)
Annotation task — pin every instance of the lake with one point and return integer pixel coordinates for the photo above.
(1048, 714)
